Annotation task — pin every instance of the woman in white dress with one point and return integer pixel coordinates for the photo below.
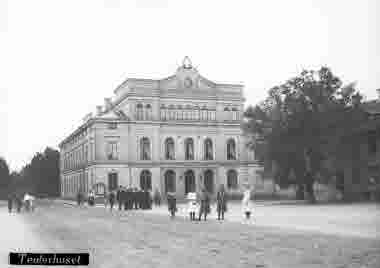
(192, 205)
(247, 204)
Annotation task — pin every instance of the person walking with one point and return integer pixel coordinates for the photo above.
(91, 198)
(118, 197)
(157, 197)
(79, 198)
(27, 202)
(106, 199)
(124, 198)
(136, 198)
(192, 205)
(140, 198)
(128, 198)
(205, 204)
(246, 202)
(18, 203)
(221, 201)
(111, 198)
(172, 204)
(10, 202)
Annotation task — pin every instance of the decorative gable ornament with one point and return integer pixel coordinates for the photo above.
(186, 63)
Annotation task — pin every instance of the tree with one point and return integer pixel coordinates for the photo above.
(41, 175)
(300, 122)
(5, 179)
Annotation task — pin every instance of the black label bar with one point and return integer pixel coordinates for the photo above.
(73, 259)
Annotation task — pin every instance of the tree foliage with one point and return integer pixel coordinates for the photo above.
(41, 175)
(299, 123)
(5, 178)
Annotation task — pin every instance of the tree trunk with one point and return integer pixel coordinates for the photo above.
(300, 193)
(309, 188)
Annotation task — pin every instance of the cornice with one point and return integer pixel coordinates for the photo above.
(87, 124)
(165, 164)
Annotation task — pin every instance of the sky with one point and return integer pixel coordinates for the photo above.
(61, 58)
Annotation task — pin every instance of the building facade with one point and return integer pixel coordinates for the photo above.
(177, 134)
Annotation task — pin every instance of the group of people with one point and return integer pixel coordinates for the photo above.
(199, 204)
(129, 198)
(19, 201)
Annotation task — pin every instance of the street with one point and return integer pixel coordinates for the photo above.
(152, 239)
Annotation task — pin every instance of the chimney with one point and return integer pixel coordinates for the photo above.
(98, 110)
(107, 103)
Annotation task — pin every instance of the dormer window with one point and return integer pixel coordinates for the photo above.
(112, 125)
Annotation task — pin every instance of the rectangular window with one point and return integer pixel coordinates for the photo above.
(112, 153)
(86, 153)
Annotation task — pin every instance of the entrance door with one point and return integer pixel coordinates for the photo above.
(112, 181)
(209, 181)
(189, 182)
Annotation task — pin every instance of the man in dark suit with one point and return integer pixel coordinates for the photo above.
(135, 198)
(221, 201)
(124, 197)
(118, 197)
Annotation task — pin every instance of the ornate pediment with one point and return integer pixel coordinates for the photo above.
(187, 78)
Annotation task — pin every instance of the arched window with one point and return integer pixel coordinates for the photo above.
(170, 181)
(148, 112)
(163, 112)
(146, 180)
(209, 155)
(232, 179)
(169, 149)
(139, 111)
(231, 149)
(145, 149)
(189, 149)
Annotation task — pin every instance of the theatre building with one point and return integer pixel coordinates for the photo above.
(177, 134)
